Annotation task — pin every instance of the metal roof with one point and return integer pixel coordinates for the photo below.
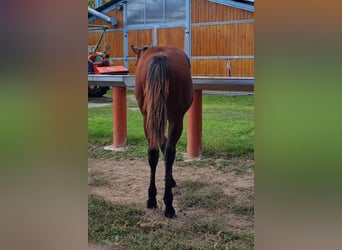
(240, 4)
(104, 6)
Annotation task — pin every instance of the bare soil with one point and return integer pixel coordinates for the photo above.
(126, 182)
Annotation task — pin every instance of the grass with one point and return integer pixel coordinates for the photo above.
(228, 129)
(200, 195)
(208, 199)
(228, 142)
(108, 223)
(97, 181)
(119, 226)
(238, 165)
(246, 210)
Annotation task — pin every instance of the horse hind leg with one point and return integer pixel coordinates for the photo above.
(162, 148)
(153, 156)
(175, 131)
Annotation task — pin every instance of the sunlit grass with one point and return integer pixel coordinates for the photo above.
(228, 127)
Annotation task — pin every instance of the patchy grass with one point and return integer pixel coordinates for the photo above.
(97, 181)
(208, 199)
(247, 210)
(227, 145)
(184, 238)
(238, 165)
(205, 227)
(108, 223)
(200, 195)
(97, 151)
(241, 170)
(192, 186)
(233, 240)
(123, 227)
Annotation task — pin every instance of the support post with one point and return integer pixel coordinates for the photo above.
(119, 117)
(194, 137)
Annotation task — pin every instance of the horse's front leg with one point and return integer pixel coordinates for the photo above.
(153, 156)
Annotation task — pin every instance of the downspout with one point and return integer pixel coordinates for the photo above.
(188, 40)
(125, 34)
(111, 20)
(98, 3)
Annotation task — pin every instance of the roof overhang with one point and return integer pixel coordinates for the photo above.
(105, 8)
(244, 5)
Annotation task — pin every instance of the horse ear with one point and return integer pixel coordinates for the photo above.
(135, 50)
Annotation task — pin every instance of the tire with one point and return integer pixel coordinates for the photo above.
(97, 91)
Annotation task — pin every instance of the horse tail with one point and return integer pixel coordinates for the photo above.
(156, 92)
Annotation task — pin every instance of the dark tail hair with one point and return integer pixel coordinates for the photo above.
(156, 93)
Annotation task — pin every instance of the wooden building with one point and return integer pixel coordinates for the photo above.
(214, 33)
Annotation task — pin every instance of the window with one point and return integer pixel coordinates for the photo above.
(175, 10)
(136, 11)
(155, 11)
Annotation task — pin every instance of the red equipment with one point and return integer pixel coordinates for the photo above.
(99, 63)
(104, 67)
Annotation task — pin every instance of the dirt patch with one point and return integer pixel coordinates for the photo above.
(126, 182)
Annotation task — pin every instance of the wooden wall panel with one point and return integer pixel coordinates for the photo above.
(199, 11)
(223, 40)
(93, 37)
(116, 42)
(118, 63)
(218, 67)
(138, 38)
(171, 37)
(204, 11)
(131, 66)
(203, 40)
(113, 39)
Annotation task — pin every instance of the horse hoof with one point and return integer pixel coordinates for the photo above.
(151, 204)
(171, 214)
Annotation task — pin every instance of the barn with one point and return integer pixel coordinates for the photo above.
(217, 35)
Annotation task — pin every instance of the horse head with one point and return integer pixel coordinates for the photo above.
(140, 51)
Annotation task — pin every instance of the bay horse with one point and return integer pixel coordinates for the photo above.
(164, 92)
